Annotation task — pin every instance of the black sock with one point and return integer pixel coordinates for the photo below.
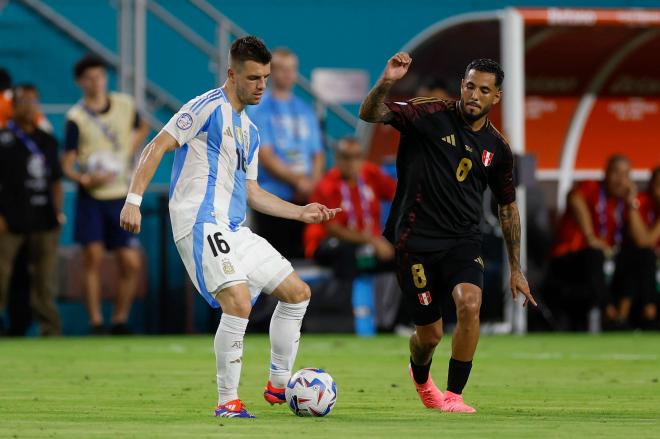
(420, 373)
(459, 372)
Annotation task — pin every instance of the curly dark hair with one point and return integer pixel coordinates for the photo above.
(487, 66)
(249, 48)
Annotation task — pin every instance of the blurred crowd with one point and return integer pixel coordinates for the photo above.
(603, 266)
(601, 274)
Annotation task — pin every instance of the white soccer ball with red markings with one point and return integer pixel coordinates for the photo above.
(311, 392)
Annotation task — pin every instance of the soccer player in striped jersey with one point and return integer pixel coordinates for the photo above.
(214, 178)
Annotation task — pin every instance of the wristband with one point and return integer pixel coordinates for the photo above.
(134, 199)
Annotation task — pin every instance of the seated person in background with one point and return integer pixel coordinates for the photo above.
(634, 283)
(291, 156)
(589, 231)
(358, 187)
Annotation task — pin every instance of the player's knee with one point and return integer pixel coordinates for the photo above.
(302, 293)
(468, 307)
(239, 308)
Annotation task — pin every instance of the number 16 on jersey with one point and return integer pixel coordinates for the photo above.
(217, 244)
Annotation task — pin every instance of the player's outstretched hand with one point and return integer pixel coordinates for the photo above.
(519, 285)
(315, 213)
(397, 67)
(130, 218)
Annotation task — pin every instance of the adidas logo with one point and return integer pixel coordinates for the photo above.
(479, 261)
(450, 139)
(228, 133)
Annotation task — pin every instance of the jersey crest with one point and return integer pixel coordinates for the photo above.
(487, 158)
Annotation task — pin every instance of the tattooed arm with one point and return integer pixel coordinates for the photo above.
(510, 222)
(373, 109)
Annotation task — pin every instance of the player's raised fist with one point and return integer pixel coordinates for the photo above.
(130, 218)
(397, 67)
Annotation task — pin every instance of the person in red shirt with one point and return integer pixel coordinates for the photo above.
(358, 187)
(634, 282)
(589, 233)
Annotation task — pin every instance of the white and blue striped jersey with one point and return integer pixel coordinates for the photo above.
(217, 154)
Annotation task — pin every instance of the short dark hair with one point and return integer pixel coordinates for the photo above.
(26, 86)
(88, 62)
(249, 48)
(614, 160)
(5, 79)
(487, 66)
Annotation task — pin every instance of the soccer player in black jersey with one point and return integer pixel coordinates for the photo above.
(449, 152)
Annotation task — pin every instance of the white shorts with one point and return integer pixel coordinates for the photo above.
(216, 258)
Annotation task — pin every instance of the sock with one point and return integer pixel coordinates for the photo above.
(228, 345)
(457, 377)
(284, 337)
(420, 373)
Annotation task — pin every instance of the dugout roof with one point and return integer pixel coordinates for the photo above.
(581, 84)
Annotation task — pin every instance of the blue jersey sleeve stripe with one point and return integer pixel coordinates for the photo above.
(208, 97)
(201, 98)
(199, 110)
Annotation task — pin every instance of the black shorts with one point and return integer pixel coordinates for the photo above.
(425, 278)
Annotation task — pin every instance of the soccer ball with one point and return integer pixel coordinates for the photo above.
(311, 392)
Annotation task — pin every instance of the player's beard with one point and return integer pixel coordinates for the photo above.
(470, 117)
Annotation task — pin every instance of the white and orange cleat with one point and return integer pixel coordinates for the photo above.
(453, 403)
(428, 392)
(274, 395)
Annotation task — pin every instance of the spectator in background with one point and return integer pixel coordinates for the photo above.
(589, 232)
(6, 107)
(358, 187)
(436, 88)
(352, 243)
(634, 282)
(30, 205)
(291, 159)
(102, 134)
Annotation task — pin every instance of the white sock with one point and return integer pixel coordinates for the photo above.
(228, 345)
(284, 337)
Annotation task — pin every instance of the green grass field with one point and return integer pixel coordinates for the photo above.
(164, 387)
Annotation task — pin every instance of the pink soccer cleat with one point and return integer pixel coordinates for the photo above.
(453, 403)
(428, 392)
(274, 395)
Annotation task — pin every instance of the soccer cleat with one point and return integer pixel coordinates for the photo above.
(274, 395)
(453, 402)
(232, 409)
(428, 392)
